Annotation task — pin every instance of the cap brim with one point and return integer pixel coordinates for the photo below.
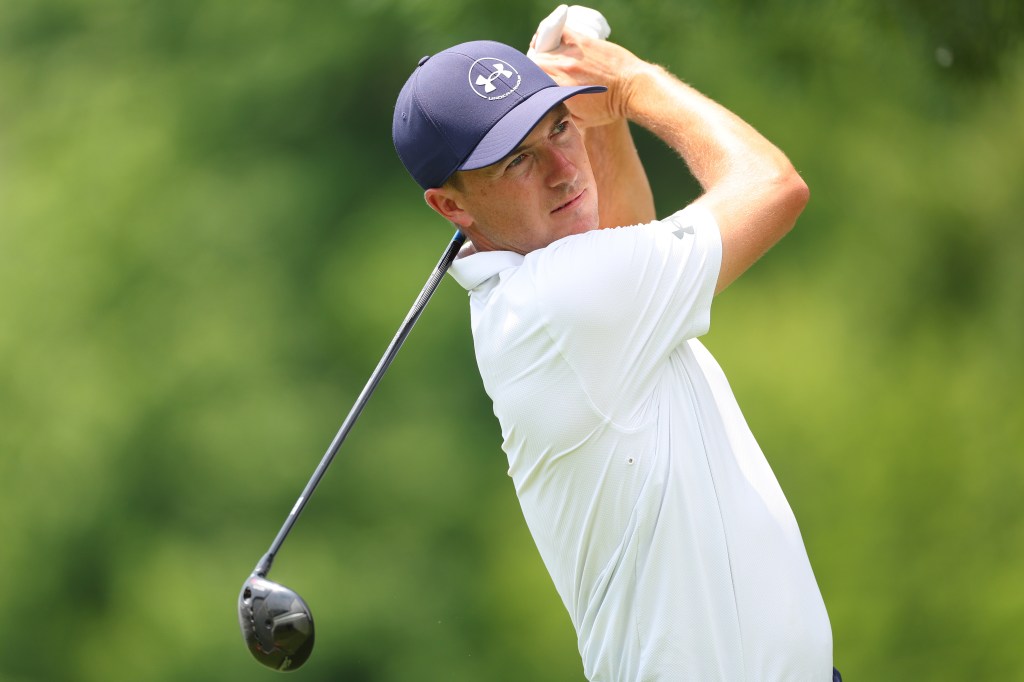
(513, 128)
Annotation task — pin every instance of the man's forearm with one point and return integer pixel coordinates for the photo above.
(624, 192)
(713, 141)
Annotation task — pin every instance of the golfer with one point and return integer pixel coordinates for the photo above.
(664, 530)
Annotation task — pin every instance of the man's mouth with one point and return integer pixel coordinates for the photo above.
(572, 202)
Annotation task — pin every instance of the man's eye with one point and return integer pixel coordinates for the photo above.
(516, 161)
(561, 127)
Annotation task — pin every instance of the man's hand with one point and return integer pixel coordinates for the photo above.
(582, 60)
(560, 32)
(577, 18)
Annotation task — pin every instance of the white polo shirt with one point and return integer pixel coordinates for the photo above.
(662, 525)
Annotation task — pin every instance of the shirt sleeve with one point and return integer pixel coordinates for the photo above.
(618, 302)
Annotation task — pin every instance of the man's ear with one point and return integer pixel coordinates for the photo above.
(448, 203)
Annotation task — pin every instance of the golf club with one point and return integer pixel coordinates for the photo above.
(276, 623)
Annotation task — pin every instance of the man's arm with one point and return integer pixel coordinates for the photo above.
(623, 192)
(749, 185)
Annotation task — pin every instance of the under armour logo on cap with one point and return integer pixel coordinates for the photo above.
(503, 72)
(441, 126)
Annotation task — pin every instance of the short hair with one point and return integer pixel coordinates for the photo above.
(454, 181)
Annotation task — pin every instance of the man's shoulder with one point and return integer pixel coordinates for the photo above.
(595, 267)
(686, 223)
(616, 256)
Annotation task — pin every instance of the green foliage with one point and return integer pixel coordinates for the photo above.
(206, 241)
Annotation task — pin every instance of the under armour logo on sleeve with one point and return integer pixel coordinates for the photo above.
(681, 231)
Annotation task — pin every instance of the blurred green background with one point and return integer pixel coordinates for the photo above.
(206, 242)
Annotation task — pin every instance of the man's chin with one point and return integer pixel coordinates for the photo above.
(581, 218)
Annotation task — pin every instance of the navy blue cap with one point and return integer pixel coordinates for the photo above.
(469, 106)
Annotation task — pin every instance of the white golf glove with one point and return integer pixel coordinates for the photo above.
(576, 18)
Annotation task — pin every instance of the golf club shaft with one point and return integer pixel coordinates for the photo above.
(263, 567)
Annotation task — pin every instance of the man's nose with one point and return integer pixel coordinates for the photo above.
(563, 170)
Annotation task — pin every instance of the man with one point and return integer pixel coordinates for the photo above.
(662, 526)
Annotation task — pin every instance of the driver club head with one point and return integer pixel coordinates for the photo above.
(276, 624)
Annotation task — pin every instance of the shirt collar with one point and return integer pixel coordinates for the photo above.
(474, 269)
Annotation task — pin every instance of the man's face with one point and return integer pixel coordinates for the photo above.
(544, 190)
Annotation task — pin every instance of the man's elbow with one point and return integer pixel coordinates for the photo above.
(791, 197)
(797, 191)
